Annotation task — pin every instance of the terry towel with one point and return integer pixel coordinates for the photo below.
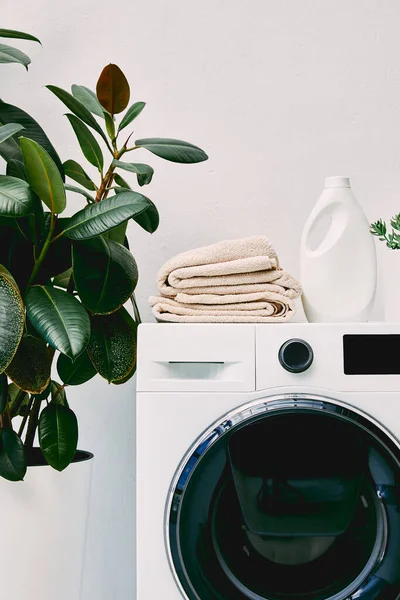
(231, 262)
(234, 281)
(276, 309)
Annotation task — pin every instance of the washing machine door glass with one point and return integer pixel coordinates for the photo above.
(291, 499)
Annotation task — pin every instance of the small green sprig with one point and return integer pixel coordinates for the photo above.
(392, 239)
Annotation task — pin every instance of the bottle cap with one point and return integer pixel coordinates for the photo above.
(337, 182)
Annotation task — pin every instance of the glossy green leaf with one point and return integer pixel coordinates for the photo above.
(173, 150)
(112, 347)
(144, 172)
(59, 318)
(58, 435)
(112, 89)
(45, 394)
(89, 99)
(77, 190)
(12, 456)
(3, 392)
(105, 274)
(131, 114)
(43, 175)
(8, 54)
(12, 318)
(62, 280)
(58, 395)
(16, 197)
(75, 372)
(110, 126)
(30, 367)
(149, 219)
(15, 168)
(75, 171)
(7, 131)
(18, 35)
(120, 181)
(87, 142)
(102, 216)
(118, 233)
(10, 149)
(78, 109)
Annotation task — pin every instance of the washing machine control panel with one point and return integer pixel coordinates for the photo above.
(296, 355)
(371, 354)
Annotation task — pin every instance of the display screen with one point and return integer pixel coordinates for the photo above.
(371, 354)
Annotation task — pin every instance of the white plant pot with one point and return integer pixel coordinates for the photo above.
(391, 284)
(43, 532)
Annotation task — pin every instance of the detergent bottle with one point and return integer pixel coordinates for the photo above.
(337, 257)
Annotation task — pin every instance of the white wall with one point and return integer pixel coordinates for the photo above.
(279, 93)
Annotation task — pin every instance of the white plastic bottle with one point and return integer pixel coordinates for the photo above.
(337, 257)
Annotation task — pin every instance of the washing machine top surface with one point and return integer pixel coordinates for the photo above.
(246, 358)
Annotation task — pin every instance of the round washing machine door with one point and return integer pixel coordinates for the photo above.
(288, 498)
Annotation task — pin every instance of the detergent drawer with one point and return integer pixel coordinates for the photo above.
(196, 358)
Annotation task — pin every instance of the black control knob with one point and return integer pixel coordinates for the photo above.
(296, 355)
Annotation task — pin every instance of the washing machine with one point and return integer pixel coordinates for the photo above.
(268, 462)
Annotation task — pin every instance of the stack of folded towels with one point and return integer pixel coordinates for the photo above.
(234, 281)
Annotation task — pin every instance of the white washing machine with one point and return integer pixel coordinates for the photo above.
(268, 462)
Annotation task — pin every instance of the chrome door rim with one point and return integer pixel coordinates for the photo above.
(243, 413)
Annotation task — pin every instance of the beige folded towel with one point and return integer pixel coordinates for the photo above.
(231, 262)
(262, 308)
(235, 281)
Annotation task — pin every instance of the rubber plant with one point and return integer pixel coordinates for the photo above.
(64, 281)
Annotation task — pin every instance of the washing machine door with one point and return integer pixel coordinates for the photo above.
(289, 498)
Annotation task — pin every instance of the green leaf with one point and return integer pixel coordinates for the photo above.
(10, 150)
(30, 367)
(102, 216)
(17, 35)
(118, 233)
(58, 395)
(15, 168)
(77, 190)
(12, 456)
(43, 175)
(112, 347)
(149, 219)
(144, 172)
(12, 318)
(58, 435)
(88, 99)
(3, 392)
(110, 126)
(16, 197)
(79, 110)
(105, 274)
(87, 142)
(59, 258)
(75, 171)
(75, 372)
(62, 280)
(59, 318)
(118, 179)
(131, 114)
(113, 89)
(8, 54)
(173, 150)
(7, 131)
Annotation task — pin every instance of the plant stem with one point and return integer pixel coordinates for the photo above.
(18, 401)
(32, 424)
(107, 180)
(24, 420)
(38, 262)
(136, 309)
